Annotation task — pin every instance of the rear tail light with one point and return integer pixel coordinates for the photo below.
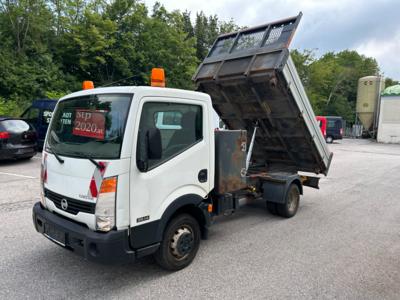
(105, 206)
(4, 135)
(341, 131)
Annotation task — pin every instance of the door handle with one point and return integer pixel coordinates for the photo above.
(203, 175)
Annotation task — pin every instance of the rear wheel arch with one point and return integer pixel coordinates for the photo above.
(299, 185)
(281, 207)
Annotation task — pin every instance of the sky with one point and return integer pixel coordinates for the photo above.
(370, 27)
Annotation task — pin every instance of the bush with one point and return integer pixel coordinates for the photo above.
(11, 108)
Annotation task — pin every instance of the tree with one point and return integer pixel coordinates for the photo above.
(87, 47)
(331, 80)
(389, 82)
(187, 24)
(164, 43)
(200, 30)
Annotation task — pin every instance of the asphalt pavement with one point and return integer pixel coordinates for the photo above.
(344, 243)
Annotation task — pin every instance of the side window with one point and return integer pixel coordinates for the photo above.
(331, 124)
(180, 125)
(168, 120)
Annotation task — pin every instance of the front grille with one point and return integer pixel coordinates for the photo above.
(74, 206)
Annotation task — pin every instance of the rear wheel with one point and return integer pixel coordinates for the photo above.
(291, 205)
(329, 139)
(180, 243)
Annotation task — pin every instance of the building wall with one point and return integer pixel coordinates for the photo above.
(389, 120)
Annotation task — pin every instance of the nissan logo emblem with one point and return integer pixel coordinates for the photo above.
(64, 204)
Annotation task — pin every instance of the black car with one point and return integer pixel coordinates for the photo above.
(18, 139)
(334, 128)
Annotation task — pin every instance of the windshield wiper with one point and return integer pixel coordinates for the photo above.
(50, 150)
(81, 155)
(99, 166)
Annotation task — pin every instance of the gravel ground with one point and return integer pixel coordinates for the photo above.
(344, 243)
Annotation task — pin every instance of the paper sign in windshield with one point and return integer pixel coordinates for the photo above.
(89, 123)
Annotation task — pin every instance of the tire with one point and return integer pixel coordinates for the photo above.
(292, 201)
(329, 139)
(271, 206)
(180, 243)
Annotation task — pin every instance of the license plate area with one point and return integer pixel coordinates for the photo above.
(25, 150)
(52, 233)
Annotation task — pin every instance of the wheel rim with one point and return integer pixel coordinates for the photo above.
(182, 242)
(293, 200)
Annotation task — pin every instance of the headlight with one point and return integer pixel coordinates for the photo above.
(105, 206)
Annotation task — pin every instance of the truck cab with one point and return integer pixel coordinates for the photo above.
(110, 165)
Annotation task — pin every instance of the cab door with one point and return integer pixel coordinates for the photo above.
(185, 159)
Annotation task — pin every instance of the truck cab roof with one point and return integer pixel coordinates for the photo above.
(143, 91)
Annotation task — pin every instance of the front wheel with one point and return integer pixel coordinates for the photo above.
(329, 140)
(180, 243)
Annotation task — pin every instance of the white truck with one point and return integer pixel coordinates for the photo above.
(133, 171)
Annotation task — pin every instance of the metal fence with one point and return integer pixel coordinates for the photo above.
(353, 131)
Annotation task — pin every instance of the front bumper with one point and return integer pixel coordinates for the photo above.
(107, 248)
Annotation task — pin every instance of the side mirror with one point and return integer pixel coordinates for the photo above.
(148, 147)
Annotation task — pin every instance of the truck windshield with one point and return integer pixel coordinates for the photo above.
(90, 126)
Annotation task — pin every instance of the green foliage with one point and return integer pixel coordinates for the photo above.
(390, 82)
(206, 30)
(331, 80)
(55, 94)
(10, 108)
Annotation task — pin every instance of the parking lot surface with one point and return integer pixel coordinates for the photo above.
(344, 243)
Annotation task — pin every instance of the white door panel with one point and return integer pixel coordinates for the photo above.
(154, 190)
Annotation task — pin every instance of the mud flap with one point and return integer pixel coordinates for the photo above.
(275, 188)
